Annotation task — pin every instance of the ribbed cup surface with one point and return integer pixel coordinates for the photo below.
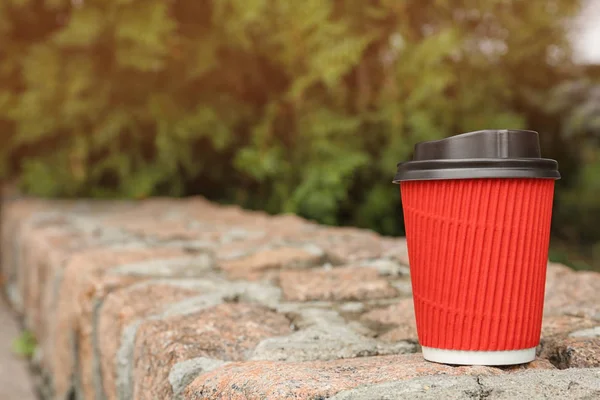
(478, 252)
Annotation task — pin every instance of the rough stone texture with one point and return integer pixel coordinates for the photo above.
(572, 293)
(350, 245)
(86, 280)
(578, 352)
(401, 316)
(188, 299)
(15, 216)
(313, 380)
(45, 242)
(575, 384)
(325, 342)
(538, 363)
(349, 283)
(535, 385)
(226, 332)
(396, 249)
(123, 307)
(254, 265)
(15, 381)
(388, 267)
(430, 388)
(587, 333)
(183, 373)
(561, 325)
(46, 250)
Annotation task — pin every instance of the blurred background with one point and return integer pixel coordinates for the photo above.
(294, 106)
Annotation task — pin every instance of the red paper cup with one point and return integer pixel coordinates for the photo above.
(478, 252)
(478, 230)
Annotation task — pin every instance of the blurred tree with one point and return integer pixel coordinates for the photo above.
(577, 106)
(297, 106)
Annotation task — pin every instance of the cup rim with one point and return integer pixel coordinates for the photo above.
(477, 168)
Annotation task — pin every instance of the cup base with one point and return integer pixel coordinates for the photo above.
(468, 357)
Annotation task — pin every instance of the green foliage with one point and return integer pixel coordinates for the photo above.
(297, 106)
(25, 345)
(578, 208)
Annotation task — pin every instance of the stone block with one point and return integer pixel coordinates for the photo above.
(227, 332)
(337, 284)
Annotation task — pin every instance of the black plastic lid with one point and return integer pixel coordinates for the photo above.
(481, 154)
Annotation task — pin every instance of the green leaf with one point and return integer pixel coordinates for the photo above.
(25, 345)
(83, 29)
(143, 32)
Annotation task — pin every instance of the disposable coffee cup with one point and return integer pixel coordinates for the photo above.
(477, 211)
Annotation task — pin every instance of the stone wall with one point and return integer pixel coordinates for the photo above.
(186, 299)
